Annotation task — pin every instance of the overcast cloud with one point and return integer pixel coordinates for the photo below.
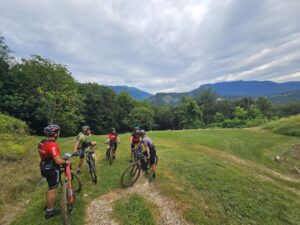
(159, 45)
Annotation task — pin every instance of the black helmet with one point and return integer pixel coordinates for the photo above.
(85, 128)
(51, 130)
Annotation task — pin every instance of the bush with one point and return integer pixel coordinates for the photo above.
(287, 126)
(10, 124)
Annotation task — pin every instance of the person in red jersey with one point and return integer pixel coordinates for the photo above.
(135, 139)
(49, 165)
(113, 139)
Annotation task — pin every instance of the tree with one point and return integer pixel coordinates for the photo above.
(163, 118)
(124, 104)
(4, 62)
(207, 98)
(188, 114)
(265, 106)
(142, 116)
(98, 107)
(40, 92)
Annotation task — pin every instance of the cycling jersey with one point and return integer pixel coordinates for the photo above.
(112, 137)
(147, 142)
(135, 137)
(83, 139)
(48, 150)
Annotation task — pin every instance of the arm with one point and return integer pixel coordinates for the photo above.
(131, 139)
(76, 145)
(59, 161)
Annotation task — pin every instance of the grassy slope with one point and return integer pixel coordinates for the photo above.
(286, 126)
(208, 187)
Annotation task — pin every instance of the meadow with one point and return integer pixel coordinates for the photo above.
(215, 176)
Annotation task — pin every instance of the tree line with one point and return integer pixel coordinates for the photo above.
(40, 91)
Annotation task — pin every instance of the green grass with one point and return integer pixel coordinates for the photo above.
(133, 210)
(198, 170)
(286, 126)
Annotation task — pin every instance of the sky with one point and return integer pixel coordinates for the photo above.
(159, 45)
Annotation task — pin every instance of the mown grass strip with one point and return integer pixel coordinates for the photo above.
(133, 210)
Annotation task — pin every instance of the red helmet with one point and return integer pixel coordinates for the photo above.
(51, 130)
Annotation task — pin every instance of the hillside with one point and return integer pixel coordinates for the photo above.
(278, 93)
(17, 152)
(132, 91)
(213, 176)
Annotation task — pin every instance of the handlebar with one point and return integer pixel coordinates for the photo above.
(69, 155)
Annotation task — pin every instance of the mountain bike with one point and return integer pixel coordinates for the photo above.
(91, 163)
(70, 185)
(133, 171)
(110, 153)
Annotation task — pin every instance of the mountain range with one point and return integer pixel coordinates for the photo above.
(132, 91)
(278, 93)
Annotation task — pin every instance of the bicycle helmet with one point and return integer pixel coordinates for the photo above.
(113, 129)
(85, 128)
(136, 128)
(51, 130)
(142, 132)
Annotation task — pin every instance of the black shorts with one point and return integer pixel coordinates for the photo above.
(152, 156)
(152, 159)
(52, 176)
(81, 153)
(114, 144)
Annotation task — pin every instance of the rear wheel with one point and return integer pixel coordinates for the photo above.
(93, 170)
(130, 175)
(66, 207)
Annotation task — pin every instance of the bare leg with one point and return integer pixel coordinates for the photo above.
(50, 198)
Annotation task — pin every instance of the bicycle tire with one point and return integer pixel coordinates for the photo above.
(111, 157)
(130, 175)
(76, 183)
(66, 213)
(92, 168)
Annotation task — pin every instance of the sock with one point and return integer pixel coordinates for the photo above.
(49, 210)
(153, 175)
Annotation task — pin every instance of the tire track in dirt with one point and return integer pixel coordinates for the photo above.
(99, 211)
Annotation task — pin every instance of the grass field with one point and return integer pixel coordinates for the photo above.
(217, 176)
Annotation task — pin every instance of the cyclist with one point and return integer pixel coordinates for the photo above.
(134, 140)
(49, 165)
(113, 139)
(82, 143)
(150, 151)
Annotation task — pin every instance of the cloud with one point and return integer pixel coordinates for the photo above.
(159, 45)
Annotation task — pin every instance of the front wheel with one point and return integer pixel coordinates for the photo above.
(66, 207)
(111, 156)
(130, 175)
(76, 183)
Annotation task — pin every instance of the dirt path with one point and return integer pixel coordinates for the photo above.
(99, 211)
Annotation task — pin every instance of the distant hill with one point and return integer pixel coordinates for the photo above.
(285, 97)
(252, 88)
(277, 92)
(132, 91)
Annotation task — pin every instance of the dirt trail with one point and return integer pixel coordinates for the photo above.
(99, 211)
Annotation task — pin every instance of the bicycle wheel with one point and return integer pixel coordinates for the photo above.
(93, 170)
(130, 175)
(66, 208)
(111, 157)
(76, 183)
